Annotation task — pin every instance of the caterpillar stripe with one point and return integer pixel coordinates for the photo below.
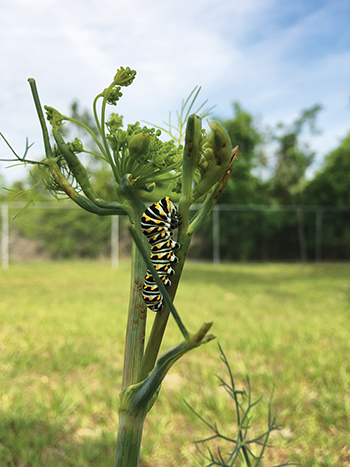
(158, 223)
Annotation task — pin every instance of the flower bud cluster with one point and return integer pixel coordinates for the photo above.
(140, 157)
(124, 76)
(112, 95)
(215, 160)
(54, 116)
(76, 146)
(139, 151)
(205, 159)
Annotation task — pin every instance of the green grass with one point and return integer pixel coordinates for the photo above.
(61, 354)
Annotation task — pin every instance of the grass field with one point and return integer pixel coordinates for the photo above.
(62, 335)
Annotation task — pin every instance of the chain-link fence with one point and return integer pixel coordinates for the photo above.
(52, 231)
(280, 233)
(57, 231)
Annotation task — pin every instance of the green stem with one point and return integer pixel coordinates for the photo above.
(154, 343)
(91, 133)
(40, 113)
(83, 202)
(98, 125)
(136, 324)
(191, 154)
(102, 131)
(128, 440)
(104, 139)
(184, 213)
(75, 165)
(138, 399)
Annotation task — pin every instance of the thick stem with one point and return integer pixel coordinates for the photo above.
(191, 154)
(154, 342)
(137, 400)
(129, 440)
(135, 332)
(136, 324)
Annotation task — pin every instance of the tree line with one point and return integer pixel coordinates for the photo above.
(271, 170)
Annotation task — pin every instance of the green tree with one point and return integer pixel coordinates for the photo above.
(67, 233)
(330, 186)
(245, 187)
(293, 157)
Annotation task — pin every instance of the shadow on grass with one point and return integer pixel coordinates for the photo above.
(31, 442)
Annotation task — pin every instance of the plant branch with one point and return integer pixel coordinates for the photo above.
(40, 113)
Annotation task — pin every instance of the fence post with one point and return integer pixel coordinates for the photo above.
(115, 241)
(301, 235)
(318, 239)
(4, 235)
(216, 234)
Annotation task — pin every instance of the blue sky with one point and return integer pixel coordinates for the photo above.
(274, 57)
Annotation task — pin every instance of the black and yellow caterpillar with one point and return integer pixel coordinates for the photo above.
(158, 223)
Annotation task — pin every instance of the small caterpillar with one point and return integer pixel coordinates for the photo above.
(157, 224)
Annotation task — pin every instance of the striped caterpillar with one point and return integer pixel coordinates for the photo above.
(157, 224)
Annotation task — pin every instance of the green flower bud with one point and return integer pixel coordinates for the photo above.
(138, 145)
(220, 144)
(54, 116)
(217, 159)
(115, 122)
(124, 76)
(76, 146)
(112, 95)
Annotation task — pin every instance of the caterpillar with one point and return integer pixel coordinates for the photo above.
(158, 223)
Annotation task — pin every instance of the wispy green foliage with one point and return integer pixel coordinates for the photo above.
(189, 107)
(241, 449)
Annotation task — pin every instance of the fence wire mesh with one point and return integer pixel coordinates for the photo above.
(58, 231)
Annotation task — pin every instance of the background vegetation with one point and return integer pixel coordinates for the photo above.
(62, 339)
